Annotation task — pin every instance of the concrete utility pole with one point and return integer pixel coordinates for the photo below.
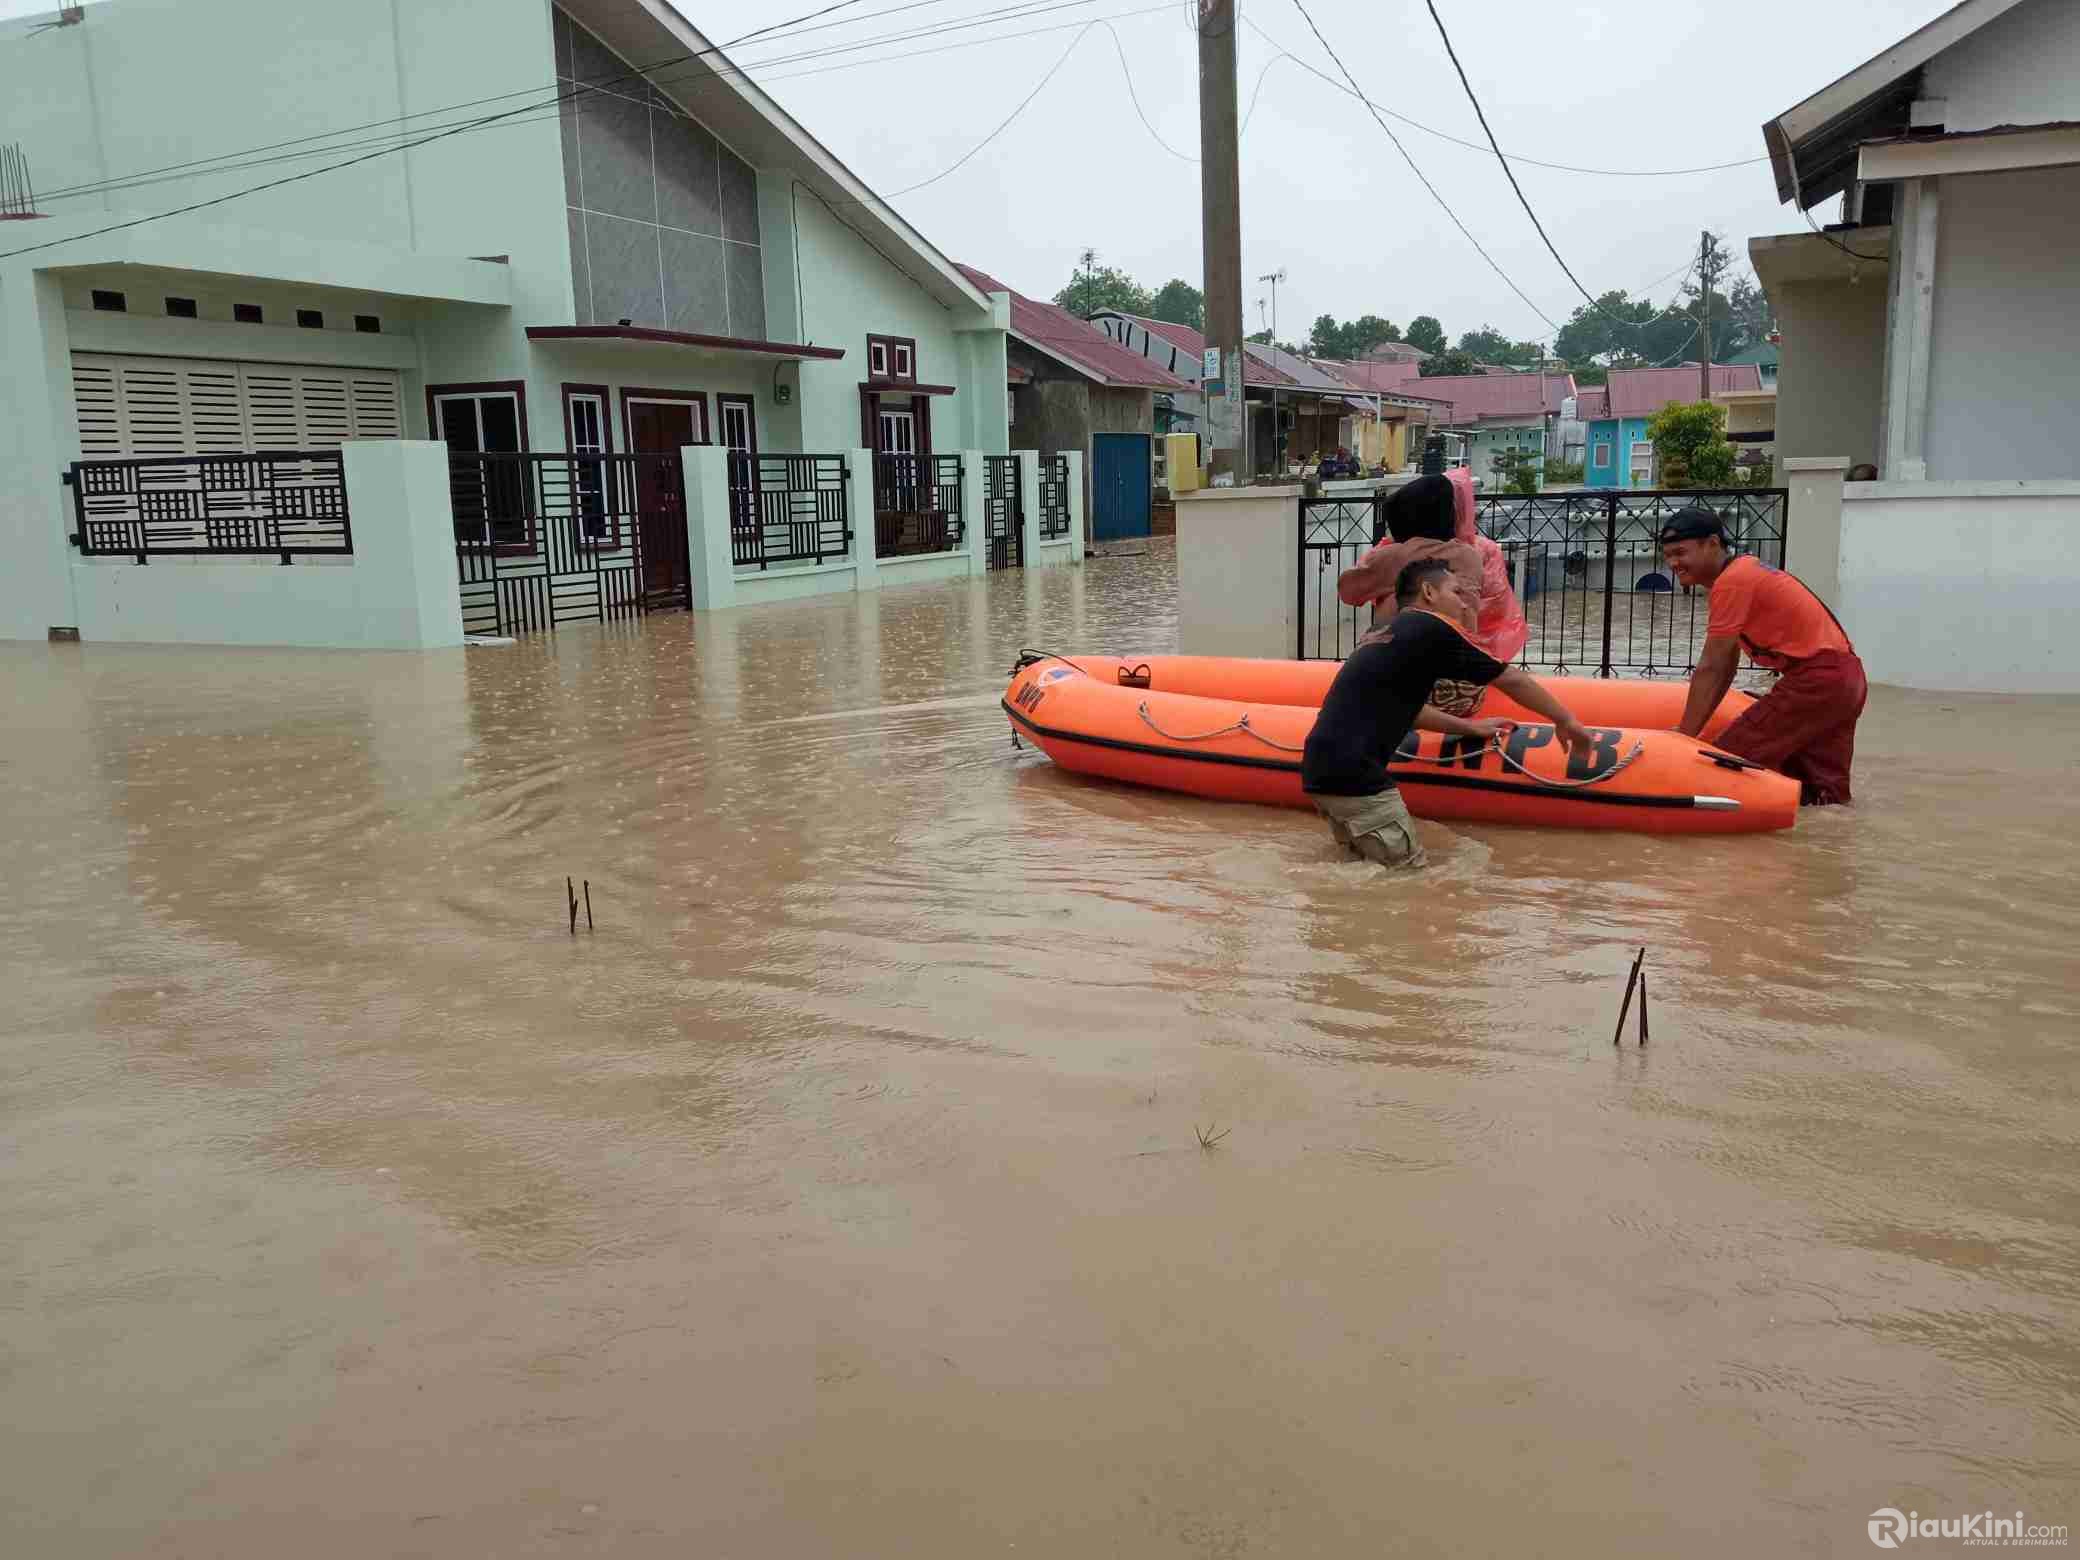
(1220, 234)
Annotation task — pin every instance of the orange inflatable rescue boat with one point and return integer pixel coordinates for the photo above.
(1233, 729)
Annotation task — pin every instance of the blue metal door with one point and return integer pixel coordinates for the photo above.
(1122, 470)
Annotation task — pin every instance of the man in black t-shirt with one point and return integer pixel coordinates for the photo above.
(1383, 690)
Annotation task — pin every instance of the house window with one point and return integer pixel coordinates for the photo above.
(180, 308)
(898, 431)
(585, 418)
(1603, 453)
(246, 313)
(368, 324)
(111, 302)
(892, 358)
(489, 497)
(310, 319)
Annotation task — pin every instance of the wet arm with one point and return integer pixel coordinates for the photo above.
(1366, 580)
(1431, 718)
(1534, 696)
(1708, 684)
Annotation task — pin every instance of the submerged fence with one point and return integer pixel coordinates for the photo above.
(546, 539)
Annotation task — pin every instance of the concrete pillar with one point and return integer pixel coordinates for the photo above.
(1238, 571)
(1074, 486)
(1911, 324)
(1813, 542)
(859, 515)
(1029, 507)
(39, 437)
(974, 511)
(403, 519)
(705, 468)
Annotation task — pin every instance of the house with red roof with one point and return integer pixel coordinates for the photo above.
(1072, 387)
(1498, 412)
(1300, 408)
(1616, 416)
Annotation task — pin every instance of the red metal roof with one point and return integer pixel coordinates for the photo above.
(1078, 343)
(1396, 376)
(1641, 392)
(1479, 397)
(1592, 404)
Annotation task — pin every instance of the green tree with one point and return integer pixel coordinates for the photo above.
(1180, 303)
(1749, 306)
(1489, 345)
(1600, 334)
(1516, 470)
(1425, 334)
(1690, 448)
(1348, 343)
(1453, 361)
(1103, 287)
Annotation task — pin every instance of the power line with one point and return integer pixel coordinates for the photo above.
(1281, 52)
(1443, 205)
(1135, 97)
(1006, 125)
(1508, 172)
(840, 5)
(231, 161)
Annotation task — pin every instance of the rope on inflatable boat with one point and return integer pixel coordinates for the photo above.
(1241, 727)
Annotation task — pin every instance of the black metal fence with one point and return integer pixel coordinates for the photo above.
(547, 539)
(917, 505)
(788, 509)
(1586, 565)
(1004, 512)
(269, 503)
(1054, 496)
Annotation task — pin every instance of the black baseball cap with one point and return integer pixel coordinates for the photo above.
(1691, 525)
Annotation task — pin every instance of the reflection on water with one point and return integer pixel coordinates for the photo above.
(840, 1194)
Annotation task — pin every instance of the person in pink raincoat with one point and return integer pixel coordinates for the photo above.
(1432, 517)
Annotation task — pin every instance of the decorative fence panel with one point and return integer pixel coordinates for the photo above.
(917, 505)
(788, 509)
(1586, 565)
(269, 503)
(1004, 512)
(547, 539)
(1054, 496)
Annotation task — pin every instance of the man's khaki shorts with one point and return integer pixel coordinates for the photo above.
(1376, 827)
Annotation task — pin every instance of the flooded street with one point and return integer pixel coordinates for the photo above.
(841, 1193)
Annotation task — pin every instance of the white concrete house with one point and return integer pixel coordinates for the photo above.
(1934, 335)
(554, 230)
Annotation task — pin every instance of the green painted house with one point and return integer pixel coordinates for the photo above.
(511, 225)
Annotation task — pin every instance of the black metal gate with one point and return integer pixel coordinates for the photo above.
(542, 540)
(1586, 566)
(1004, 512)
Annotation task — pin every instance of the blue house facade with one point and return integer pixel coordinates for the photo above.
(1616, 453)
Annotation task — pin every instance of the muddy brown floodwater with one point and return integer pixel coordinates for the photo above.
(840, 1195)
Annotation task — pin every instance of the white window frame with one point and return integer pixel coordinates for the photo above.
(877, 361)
(441, 403)
(902, 364)
(891, 418)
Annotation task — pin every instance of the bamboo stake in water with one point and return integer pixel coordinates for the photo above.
(589, 927)
(1624, 1012)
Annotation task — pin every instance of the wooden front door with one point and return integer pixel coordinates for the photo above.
(659, 430)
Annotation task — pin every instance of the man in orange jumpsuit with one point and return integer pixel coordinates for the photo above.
(1805, 726)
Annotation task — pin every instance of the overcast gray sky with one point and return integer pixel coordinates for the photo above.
(1628, 84)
